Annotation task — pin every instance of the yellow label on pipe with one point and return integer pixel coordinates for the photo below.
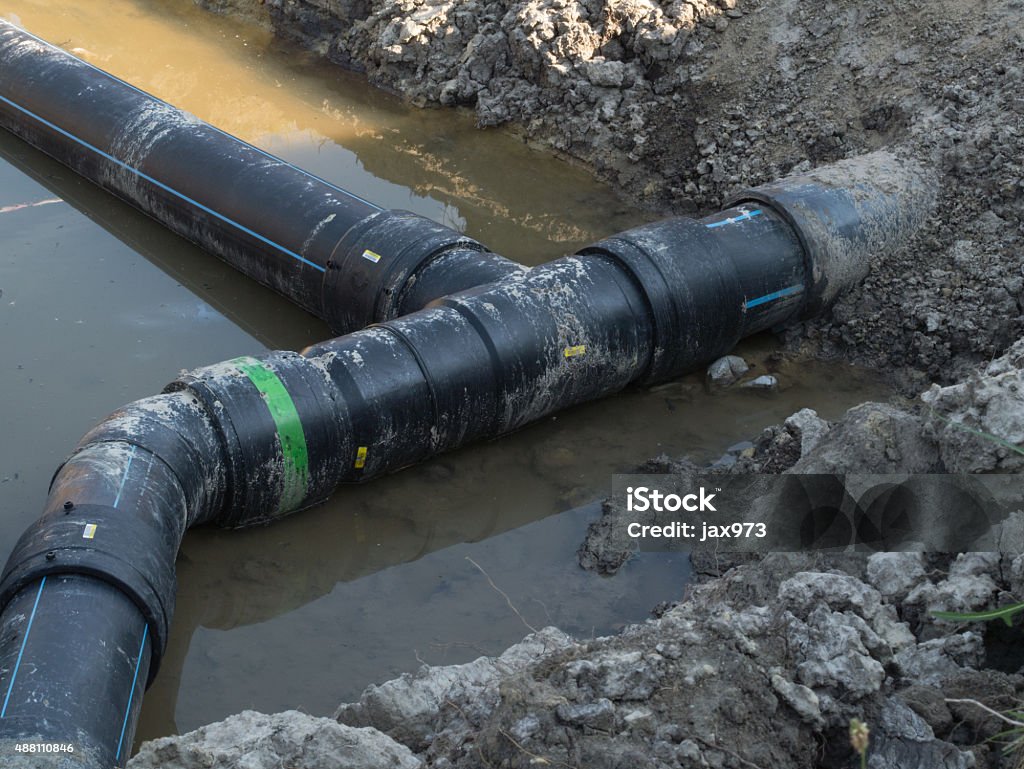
(572, 352)
(90, 531)
(361, 457)
(372, 256)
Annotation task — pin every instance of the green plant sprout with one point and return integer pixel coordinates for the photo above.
(1006, 614)
(1014, 736)
(980, 433)
(860, 735)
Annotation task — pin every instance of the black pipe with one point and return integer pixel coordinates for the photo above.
(340, 257)
(86, 668)
(96, 575)
(246, 306)
(254, 438)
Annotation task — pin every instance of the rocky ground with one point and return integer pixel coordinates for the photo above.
(681, 103)
(763, 667)
(975, 426)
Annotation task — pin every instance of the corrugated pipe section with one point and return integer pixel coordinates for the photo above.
(88, 594)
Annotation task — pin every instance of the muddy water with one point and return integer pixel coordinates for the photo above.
(100, 306)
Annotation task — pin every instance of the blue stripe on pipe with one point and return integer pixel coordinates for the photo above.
(125, 476)
(732, 220)
(131, 694)
(163, 186)
(773, 296)
(218, 130)
(21, 651)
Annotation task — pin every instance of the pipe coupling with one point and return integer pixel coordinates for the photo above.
(845, 215)
(283, 431)
(130, 553)
(374, 263)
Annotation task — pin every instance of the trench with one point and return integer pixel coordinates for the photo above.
(101, 306)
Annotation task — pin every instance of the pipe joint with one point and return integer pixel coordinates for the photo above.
(280, 424)
(177, 430)
(377, 262)
(642, 267)
(688, 282)
(128, 552)
(846, 215)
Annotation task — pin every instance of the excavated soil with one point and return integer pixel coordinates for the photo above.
(681, 103)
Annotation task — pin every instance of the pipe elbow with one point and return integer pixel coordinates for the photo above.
(180, 432)
(118, 507)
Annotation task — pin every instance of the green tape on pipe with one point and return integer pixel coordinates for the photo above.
(289, 430)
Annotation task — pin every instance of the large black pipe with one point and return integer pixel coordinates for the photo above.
(340, 257)
(89, 589)
(255, 438)
(246, 306)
